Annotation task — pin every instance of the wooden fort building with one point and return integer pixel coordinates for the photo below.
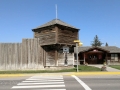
(54, 36)
(53, 45)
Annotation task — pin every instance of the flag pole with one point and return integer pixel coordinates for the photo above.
(56, 11)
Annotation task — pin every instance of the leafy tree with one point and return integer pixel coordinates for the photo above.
(106, 44)
(96, 42)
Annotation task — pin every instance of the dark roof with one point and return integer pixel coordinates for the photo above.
(111, 49)
(55, 21)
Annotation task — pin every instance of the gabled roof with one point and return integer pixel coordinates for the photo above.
(98, 48)
(111, 49)
(55, 21)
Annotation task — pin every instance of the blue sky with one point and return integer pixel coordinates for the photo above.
(93, 17)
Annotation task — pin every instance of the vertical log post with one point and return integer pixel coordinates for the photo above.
(56, 61)
(84, 58)
(106, 59)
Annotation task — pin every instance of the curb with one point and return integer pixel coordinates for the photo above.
(97, 73)
(66, 74)
(13, 75)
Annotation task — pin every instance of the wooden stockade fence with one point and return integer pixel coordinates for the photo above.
(30, 55)
(26, 55)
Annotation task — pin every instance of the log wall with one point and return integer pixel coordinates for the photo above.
(67, 36)
(61, 59)
(30, 55)
(50, 58)
(26, 55)
(46, 36)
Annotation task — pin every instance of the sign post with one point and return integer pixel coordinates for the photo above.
(66, 50)
(77, 55)
(77, 43)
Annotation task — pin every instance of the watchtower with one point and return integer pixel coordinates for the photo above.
(53, 36)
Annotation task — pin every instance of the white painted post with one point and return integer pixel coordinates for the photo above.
(77, 55)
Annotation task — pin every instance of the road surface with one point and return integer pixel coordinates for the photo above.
(61, 82)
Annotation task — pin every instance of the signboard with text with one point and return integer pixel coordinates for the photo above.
(66, 49)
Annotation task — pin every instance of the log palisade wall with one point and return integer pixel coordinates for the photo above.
(26, 55)
(29, 55)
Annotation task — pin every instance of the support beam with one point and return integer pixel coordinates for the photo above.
(84, 58)
(56, 34)
(56, 58)
(106, 59)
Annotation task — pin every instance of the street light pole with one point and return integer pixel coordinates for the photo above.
(77, 43)
(77, 55)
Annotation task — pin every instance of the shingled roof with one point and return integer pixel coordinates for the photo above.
(53, 22)
(112, 49)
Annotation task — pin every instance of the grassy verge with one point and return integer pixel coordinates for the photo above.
(82, 68)
(115, 66)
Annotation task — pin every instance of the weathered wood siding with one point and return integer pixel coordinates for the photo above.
(10, 55)
(46, 36)
(32, 54)
(67, 36)
(56, 35)
(50, 58)
(61, 59)
(26, 55)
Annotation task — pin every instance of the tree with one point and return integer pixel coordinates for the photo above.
(96, 42)
(106, 44)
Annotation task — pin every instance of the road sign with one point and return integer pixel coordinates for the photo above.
(66, 49)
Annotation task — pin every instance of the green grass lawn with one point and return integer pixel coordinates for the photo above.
(82, 68)
(115, 66)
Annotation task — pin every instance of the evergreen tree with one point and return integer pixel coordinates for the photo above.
(106, 44)
(96, 42)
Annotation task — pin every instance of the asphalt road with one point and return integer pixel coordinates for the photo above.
(61, 82)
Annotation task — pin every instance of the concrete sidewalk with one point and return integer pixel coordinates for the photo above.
(109, 69)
